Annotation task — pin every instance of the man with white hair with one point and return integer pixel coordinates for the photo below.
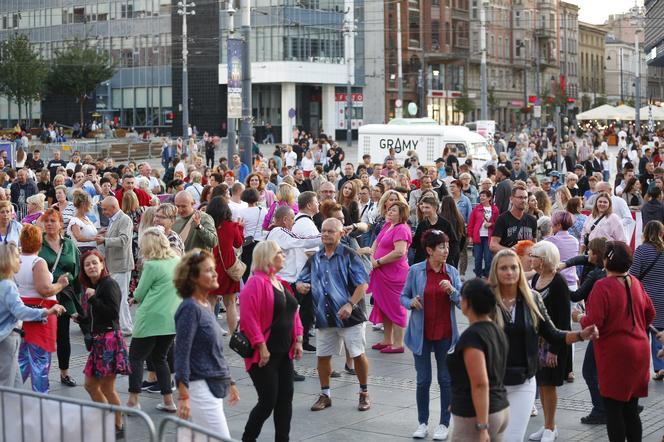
(195, 188)
(196, 228)
(118, 256)
(146, 171)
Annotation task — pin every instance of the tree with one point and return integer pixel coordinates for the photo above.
(464, 104)
(22, 72)
(599, 101)
(492, 101)
(78, 70)
(585, 102)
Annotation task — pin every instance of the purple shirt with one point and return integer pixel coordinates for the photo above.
(568, 246)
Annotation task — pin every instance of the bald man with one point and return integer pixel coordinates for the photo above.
(116, 242)
(196, 228)
(337, 281)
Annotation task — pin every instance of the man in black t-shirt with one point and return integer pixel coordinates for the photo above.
(514, 225)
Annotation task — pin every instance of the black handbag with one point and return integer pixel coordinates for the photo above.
(240, 344)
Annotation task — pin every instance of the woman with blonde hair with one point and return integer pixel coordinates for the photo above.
(390, 268)
(563, 195)
(553, 359)
(523, 316)
(154, 324)
(35, 208)
(10, 230)
(271, 322)
(81, 229)
(543, 202)
(285, 197)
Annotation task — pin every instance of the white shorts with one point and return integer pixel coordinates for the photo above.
(329, 340)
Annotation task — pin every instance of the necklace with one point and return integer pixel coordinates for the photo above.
(509, 303)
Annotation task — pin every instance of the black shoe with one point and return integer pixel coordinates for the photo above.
(68, 381)
(349, 370)
(639, 408)
(119, 432)
(297, 377)
(308, 347)
(335, 374)
(594, 419)
(147, 384)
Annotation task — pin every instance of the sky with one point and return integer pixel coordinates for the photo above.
(597, 11)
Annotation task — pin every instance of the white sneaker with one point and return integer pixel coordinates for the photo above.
(537, 435)
(549, 436)
(421, 432)
(224, 332)
(534, 412)
(440, 433)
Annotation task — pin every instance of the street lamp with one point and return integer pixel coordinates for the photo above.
(185, 9)
(637, 20)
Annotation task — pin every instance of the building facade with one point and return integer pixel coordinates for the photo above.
(300, 65)
(654, 50)
(592, 65)
(137, 35)
(620, 73)
(435, 47)
(569, 52)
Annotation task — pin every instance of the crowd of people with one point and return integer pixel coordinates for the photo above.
(300, 250)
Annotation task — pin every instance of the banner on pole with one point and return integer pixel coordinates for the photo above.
(236, 49)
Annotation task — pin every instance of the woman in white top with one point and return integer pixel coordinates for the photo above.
(308, 163)
(35, 284)
(195, 187)
(80, 228)
(10, 230)
(253, 216)
(65, 207)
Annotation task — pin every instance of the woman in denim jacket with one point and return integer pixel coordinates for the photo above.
(432, 293)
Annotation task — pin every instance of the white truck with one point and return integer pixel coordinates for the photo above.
(423, 136)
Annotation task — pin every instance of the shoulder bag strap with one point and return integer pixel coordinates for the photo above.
(57, 258)
(257, 221)
(650, 266)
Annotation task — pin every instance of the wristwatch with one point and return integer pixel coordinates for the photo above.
(480, 427)
(199, 227)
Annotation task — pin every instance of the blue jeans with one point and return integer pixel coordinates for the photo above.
(655, 346)
(423, 369)
(481, 253)
(589, 372)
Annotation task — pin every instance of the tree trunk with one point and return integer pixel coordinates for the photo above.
(19, 102)
(81, 101)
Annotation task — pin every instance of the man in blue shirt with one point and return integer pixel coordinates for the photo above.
(240, 169)
(337, 282)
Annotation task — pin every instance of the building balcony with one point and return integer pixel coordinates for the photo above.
(545, 32)
(461, 42)
(546, 6)
(433, 55)
(459, 14)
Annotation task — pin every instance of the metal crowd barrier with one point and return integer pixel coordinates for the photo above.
(185, 431)
(26, 416)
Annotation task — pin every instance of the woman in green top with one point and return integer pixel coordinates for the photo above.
(154, 324)
(62, 257)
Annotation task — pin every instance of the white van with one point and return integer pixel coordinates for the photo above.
(427, 139)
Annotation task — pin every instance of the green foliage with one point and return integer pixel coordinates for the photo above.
(22, 72)
(492, 101)
(600, 101)
(586, 102)
(78, 70)
(464, 104)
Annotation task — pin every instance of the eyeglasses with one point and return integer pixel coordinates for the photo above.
(534, 256)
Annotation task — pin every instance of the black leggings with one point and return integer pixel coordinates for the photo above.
(306, 311)
(63, 341)
(622, 420)
(169, 358)
(274, 385)
(153, 347)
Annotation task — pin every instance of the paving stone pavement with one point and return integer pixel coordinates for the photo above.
(393, 415)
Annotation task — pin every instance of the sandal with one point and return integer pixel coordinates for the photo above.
(659, 376)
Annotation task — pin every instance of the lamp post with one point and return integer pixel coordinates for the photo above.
(230, 122)
(398, 111)
(637, 19)
(484, 93)
(185, 9)
(349, 33)
(247, 119)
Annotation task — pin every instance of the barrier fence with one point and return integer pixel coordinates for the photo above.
(26, 416)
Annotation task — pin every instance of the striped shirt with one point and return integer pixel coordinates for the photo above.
(644, 256)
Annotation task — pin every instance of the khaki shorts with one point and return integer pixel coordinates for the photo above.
(329, 340)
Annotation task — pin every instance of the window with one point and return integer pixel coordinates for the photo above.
(448, 33)
(517, 19)
(79, 15)
(414, 28)
(517, 48)
(435, 34)
(127, 11)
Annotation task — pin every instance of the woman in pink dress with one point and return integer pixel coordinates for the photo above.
(390, 267)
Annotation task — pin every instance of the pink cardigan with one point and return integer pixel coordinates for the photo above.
(267, 221)
(257, 308)
(477, 218)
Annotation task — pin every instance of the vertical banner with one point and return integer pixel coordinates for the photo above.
(234, 60)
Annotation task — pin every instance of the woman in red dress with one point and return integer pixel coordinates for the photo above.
(230, 236)
(620, 308)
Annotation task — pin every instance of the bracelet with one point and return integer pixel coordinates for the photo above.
(183, 398)
(378, 262)
(580, 336)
